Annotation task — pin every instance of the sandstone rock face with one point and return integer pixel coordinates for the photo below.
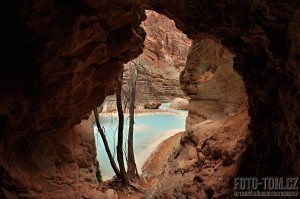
(179, 104)
(59, 165)
(165, 45)
(205, 160)
(262, 36)
(60, 59)
(215, 89)
(164, 56)
(64, 43)
(207, 156)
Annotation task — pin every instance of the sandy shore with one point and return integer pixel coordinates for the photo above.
(151, 168)
(145, 112)
(156, 162)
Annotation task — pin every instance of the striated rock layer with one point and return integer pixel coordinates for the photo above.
(215, 89)
(164, 57)
(263, 37)
(59, 60)
(207, 156)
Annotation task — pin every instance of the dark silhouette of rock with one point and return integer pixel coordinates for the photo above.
(152, 105)
(59, 60)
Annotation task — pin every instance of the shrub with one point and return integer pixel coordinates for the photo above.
(98, 172)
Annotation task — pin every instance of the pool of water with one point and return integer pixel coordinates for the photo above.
(149, 130)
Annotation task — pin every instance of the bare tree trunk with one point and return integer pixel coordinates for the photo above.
(132, 169)
(111, 159)
(120, 156)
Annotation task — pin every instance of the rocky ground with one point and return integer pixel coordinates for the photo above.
(154, 166)
(199, 163)
(205, 161)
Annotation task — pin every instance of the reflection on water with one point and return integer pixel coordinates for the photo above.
(149, 130)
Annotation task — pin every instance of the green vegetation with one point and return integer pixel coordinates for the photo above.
(98, 172)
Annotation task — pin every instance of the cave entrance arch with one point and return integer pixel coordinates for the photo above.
(68, 74)
(217, 122)
(263, 60)
(158, 69)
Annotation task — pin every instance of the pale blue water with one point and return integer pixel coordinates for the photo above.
(149, 130)
(165, 106)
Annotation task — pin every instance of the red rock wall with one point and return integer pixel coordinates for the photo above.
(51, 165)
(59, 60)
(216, 127)
(259, 34)
(66, 60)
(164, 56)
(215, 89)
(165, 45)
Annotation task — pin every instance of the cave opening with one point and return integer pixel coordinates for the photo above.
(215, 130)
(157, 89)
(68, 58)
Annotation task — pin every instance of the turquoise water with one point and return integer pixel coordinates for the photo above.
(149, 130)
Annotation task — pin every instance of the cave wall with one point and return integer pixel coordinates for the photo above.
(214, 88)
(57, 165)
(263, 37)
(206, 158)
(60, 59)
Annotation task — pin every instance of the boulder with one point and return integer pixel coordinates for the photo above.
(152, 105)
(180, 104)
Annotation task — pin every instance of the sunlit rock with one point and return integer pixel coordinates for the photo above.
(179, 104)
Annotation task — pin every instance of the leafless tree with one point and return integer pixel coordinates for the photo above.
(131, 165)
(111, 159)
(120, 156)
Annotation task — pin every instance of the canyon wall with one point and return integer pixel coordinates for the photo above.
(165, 53)
(262, 36)
(207, 156)
(215, 89)
(60, 59)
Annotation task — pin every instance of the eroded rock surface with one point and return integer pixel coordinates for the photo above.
(57, 165)
(205, 160)
(215, 89)
(207, 156)
(262, 36)
(180, 104)
(60, 59)
(164, 56)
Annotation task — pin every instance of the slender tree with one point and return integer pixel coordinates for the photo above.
(131, 165)
(111, 159)
(120, 156)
